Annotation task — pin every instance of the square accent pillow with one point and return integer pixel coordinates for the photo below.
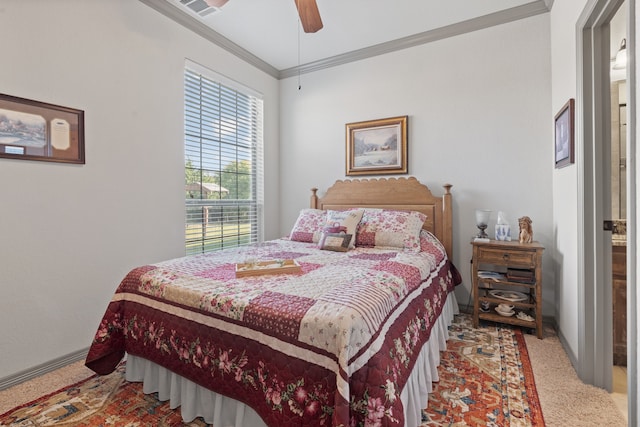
(308, 226)
(383, 228)
(338, 242)
(349, 219)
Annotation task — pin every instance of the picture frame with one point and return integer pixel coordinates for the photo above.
(34, 130)
(565, 135)
(377, 147)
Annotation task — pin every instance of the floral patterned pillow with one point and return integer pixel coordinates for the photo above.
(430, 244)
(382, 228)
(349, 218)
(308, 226)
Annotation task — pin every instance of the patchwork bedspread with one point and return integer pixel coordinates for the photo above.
(331, 345)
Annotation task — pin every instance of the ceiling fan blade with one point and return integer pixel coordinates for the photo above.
(309, 15)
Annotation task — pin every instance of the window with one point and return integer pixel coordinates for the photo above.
(223, 162)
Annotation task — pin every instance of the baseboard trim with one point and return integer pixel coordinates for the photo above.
(42, 369)
(567, 349)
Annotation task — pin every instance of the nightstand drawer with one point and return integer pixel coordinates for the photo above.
(507, 257)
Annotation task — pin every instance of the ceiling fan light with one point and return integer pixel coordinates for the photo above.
(216, 3)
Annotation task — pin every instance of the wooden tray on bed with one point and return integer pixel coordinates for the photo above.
(267, 267)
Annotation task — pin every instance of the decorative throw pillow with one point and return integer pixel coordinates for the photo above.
(338, 242)
(349, 219)
(383, 228)
(335, 228)
(308, 226)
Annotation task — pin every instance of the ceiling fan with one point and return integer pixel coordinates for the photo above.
(307, 9)
(309, 15)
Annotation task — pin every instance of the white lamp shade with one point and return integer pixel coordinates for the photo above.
(482, 217)
(620, 62)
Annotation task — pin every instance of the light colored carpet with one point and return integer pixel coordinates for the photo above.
(565, 400)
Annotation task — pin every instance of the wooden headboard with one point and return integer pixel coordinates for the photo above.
(406, 194)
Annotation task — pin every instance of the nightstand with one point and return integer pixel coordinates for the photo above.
(508, 273)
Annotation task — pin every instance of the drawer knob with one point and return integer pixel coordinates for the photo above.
(505, 257)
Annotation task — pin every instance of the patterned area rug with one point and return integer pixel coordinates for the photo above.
(97, 401)
(485, 380)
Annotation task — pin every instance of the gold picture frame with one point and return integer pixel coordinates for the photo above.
(377, 147)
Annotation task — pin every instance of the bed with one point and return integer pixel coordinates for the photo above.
(350, 336)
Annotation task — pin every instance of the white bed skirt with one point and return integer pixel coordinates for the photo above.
(197, 401)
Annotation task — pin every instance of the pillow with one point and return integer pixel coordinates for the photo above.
(382, 228)
(308, 226)
(338, 242)
(430, 244)
(349, 219)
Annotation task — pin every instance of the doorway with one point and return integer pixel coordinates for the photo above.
(593, 107)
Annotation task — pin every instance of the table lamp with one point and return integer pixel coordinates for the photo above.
(482, 221)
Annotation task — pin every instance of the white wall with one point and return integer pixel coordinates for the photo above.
(480, 118)
(69, 233)
(564, 15)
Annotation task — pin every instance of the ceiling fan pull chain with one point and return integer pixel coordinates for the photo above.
(298, 27)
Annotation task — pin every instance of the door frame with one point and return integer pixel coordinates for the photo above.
(595, 347)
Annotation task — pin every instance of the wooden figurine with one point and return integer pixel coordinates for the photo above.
(526, 231)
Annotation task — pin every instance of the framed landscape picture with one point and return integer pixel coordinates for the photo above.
(377, 147)
(33, 130)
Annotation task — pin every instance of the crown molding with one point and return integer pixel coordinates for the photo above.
(193, 24)
(527, 10)
(497, 18)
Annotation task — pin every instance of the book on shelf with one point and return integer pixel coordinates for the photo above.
(487, 274)
(521, 275)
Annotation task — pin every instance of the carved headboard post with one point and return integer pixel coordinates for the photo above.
(314, 198)
(447, 221)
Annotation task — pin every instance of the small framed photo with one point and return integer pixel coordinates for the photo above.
(564, 135)
(377, 147)
(33, 130)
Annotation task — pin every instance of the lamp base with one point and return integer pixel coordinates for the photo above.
(481, 239)
(482, 234)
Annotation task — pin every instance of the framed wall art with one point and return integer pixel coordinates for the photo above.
(564, 135)
(377, 147)
(33, 130)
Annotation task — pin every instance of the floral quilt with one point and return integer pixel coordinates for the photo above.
(332, 344)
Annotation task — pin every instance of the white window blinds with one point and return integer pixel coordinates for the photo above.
(223, 162)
